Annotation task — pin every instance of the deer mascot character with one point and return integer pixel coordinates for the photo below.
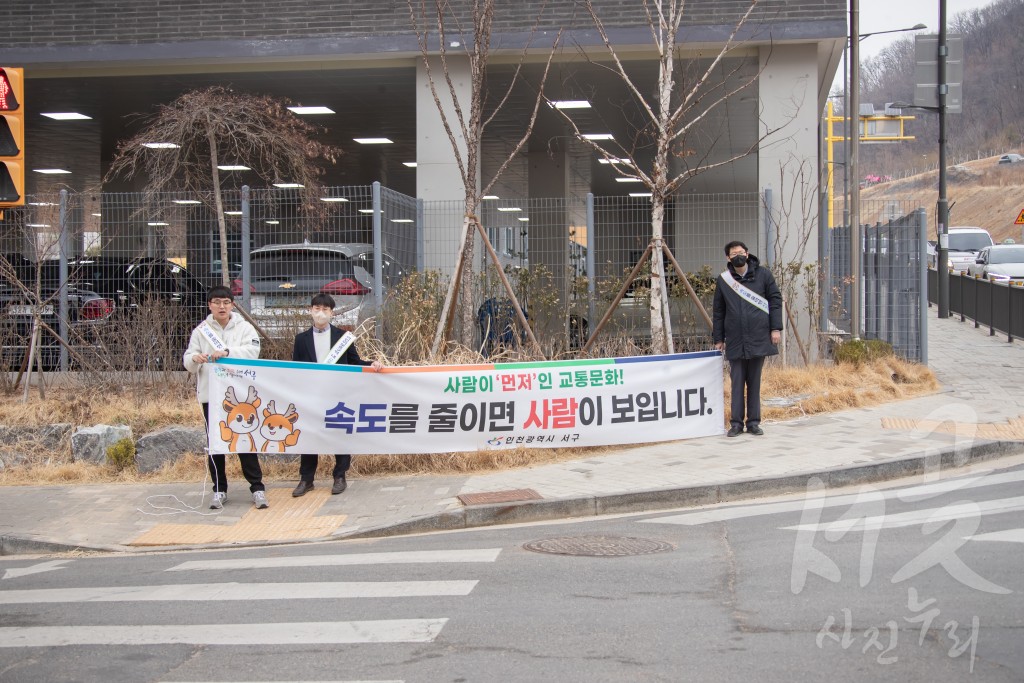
(243, 420)
(279, 428)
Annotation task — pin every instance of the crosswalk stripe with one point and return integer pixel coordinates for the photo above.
(240, 591)
(301, 633)
(901, 519)
(907, 494)
(1007, 536)
(410, 557)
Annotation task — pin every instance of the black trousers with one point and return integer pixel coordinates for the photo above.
(746, 372)
(250, 462)
(307, 466)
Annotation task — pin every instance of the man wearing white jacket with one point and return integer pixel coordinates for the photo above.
(226, 334)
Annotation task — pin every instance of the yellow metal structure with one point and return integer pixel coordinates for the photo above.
(874, 128)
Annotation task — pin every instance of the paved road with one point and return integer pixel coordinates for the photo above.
(919, 581)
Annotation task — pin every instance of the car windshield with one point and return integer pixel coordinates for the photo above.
(1008, 255)
(300, 265)
(969, 241)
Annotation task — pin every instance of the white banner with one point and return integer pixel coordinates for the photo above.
(282, 407)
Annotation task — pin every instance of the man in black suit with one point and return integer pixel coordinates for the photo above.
(314, 346)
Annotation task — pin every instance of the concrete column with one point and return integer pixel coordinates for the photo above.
(437, 173)
(788, 163)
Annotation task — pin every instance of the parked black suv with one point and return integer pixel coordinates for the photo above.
(140, 311)
(87, 312)
(130, 283)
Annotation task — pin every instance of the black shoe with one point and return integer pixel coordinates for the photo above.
(302, 488)
(734, 431)
(755, 430)
(339, 485)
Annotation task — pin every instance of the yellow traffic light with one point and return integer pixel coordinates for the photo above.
(12, 136)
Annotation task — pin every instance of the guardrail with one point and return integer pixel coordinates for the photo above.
(996, 304)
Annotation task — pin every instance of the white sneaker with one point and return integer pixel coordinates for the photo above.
(259, 499)
(219, 498)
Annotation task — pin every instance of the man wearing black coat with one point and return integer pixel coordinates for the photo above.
(747, 327)
(313, 346)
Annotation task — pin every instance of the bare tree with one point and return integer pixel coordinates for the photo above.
(182, 145)
(680, 105)
(439, 30)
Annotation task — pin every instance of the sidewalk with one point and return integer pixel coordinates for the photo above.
(981, 394)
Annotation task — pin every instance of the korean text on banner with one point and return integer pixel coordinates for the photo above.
(315, 408)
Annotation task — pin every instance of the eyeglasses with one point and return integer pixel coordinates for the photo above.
(221, 302)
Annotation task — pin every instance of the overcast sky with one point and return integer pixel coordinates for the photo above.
(885, 15)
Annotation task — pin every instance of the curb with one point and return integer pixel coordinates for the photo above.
(18, 545)
(661, 499)
(651, 500)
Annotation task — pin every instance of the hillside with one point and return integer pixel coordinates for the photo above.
(983, 193)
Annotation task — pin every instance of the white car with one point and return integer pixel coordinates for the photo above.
(1000, 262)
(964, 245)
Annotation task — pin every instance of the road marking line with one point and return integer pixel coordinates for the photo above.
(301, 633)
(411, 557)
(15, 572)
(240, 591)
(845, 500)
(1007, 536)
(901, 519)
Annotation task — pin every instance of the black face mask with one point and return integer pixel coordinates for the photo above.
(738, 261)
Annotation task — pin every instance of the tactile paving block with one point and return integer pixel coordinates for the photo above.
(287, 518)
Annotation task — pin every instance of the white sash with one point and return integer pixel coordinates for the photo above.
(745, 293)
(212, 337)
(341, 347)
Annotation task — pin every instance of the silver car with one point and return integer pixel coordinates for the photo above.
(284, 278)
(1000, 262)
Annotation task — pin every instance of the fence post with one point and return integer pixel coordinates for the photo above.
(922, 245)
(246, 244)
(992, 308)
(378, 263)
(1009, 311)
(766, 253)
(962, 306)
(977, 287)
(63, 247)
(591, 258)
(420, 239)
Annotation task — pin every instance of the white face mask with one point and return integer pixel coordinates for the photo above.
(320, 318)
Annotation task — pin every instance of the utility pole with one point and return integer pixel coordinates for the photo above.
(942, 209)
(854, 113)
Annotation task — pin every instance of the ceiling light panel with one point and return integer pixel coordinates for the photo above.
(66, 116)
(311, 111)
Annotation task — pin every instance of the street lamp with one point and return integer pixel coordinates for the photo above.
(850, 116)
(854, 142)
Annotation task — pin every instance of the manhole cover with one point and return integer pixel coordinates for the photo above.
(599, 546)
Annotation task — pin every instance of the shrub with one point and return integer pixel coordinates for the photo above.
(859, 351)
(122, 454)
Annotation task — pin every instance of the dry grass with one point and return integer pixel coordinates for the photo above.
(830, 388)
(822, 388)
